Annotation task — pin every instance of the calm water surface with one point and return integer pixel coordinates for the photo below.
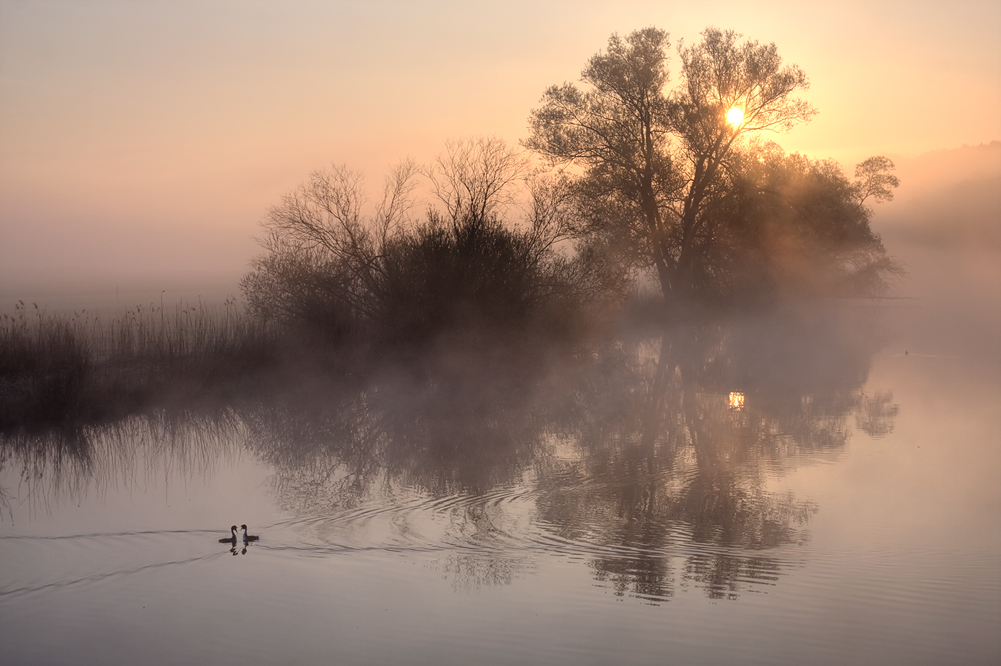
(740, 493)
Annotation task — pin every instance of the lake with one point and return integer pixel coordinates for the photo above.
(817, 488)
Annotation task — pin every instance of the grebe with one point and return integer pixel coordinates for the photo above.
(232, 538)
(247, 537)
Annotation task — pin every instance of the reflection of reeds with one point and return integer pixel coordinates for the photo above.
(134, 453)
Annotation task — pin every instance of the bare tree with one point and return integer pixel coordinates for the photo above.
(320, 246)
(480, 178)
(476, 178)
(552, 210)
(329, 264)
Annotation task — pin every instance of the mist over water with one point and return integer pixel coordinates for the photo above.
(944, 228)
(112, 295)
(802, 484)
(752, 489)
(651, 404)
(770, 463)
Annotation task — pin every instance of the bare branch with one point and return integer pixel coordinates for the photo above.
(397, 199)
(475, 177)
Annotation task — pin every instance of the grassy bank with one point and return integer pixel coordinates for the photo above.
(60, 370)
(68, 371)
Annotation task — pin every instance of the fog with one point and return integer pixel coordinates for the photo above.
(945, 227)
(947, 198)
(145, 143)
(497, 426)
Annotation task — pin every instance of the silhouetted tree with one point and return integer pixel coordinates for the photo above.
(476, 178)
(322, 261)
(795, 226)
(658, 166)
(386, 278)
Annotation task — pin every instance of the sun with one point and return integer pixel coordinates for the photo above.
(734, 116)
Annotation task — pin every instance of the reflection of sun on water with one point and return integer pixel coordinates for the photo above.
(734, 116)
(736, 400)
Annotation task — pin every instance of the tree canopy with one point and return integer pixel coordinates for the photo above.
(665, 179)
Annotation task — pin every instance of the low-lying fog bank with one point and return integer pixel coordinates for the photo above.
(944, 227)
(742, 392)
(112, 295)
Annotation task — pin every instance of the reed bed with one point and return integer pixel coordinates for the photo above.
(64, 369)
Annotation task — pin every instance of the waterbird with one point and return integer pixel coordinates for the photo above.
(247, 537)
(231, 538)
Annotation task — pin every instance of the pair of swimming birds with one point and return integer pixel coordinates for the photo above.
(247, 538)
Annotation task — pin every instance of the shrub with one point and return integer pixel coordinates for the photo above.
(360, 280)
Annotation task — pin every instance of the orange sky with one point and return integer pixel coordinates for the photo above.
(149, 138)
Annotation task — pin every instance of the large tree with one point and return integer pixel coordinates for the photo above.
(793, 226)
(657, 168)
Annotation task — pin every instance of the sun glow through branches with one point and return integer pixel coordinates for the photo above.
(734, 116)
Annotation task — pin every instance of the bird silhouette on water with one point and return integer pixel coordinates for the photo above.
(247, 538)
(232, 538)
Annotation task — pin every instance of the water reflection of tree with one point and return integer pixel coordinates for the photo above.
(665, 461)
(462, 432)
(634, 455)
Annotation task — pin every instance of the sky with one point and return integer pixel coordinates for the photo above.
(142, 142)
